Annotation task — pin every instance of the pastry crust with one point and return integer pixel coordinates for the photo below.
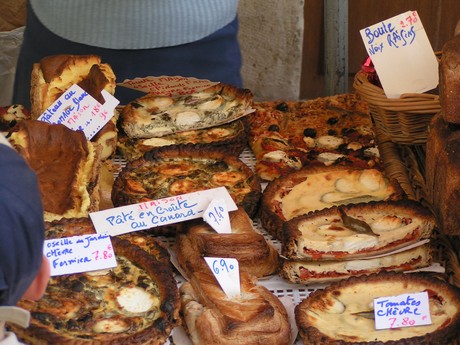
(231, 138)
(329, 317)
(325, 235)
(315, 188)
(317, 272)
(155, 116)
(173, 171)
(333, 130)
(54, 74)
(67, 167)
(136, 302)
(255, 317)
(254, 254)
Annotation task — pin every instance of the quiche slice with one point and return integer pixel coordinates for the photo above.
(356, 231)
(67, 166)
(230, 137)
(314, 188)
(155, 116)
(319, 272)
(343, 312)
(136, 302)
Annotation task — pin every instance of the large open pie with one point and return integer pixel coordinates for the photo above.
(137, 302)
(343, 312)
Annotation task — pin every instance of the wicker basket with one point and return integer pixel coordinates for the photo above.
(405, 120)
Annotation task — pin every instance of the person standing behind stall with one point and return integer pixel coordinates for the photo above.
(24, 270)
(191, 38)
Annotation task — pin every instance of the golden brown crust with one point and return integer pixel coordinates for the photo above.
(155, 116)
(333, 130)
(444, 299)
(323, 235)
(256, 317)
(449, 82)
(67, 167)
(180, 170)
(71, 309)
(231, 138)
(443, 174)
(318, 272)
(54, 74)
(245, 244)
(271, 213)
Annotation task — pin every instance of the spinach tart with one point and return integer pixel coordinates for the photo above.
(136, 302)
(171, 171)
(230, 137)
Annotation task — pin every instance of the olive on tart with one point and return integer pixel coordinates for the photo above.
(342, 313)
(333, 130)
(356, 231)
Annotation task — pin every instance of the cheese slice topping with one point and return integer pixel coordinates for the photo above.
(136, 300)
(320, 191)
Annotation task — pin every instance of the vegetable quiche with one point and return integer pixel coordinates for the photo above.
(136, 302)
(155, 116)
(171, 171)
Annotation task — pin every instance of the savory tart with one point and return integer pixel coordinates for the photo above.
(155, 116)
(315, 188)
(230, 137)
(54, 74)
(257, 316)
(318, 272)
(136, 302)
(67, 167)
(343, 312)
(333, 130)
(356, 230)
(173, 171)
(254, 254)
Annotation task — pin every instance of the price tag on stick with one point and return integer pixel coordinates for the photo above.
(79, 254)
(216, 215)
(404, 310)
(402, 55)
(227, 273)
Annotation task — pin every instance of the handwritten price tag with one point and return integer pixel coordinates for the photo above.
(78, 110)
(227, 273)
(145, 215)
(79, 254)
(168, 85)
(402, 55)
(404, 310)
(216, 215)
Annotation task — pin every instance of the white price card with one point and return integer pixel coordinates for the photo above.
(216, 215)
(78, 110)
(406, 310)
(402, 55)
(79, 254)
(227, 273)
(153, 213)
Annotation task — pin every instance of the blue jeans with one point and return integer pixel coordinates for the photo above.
(216, 57)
